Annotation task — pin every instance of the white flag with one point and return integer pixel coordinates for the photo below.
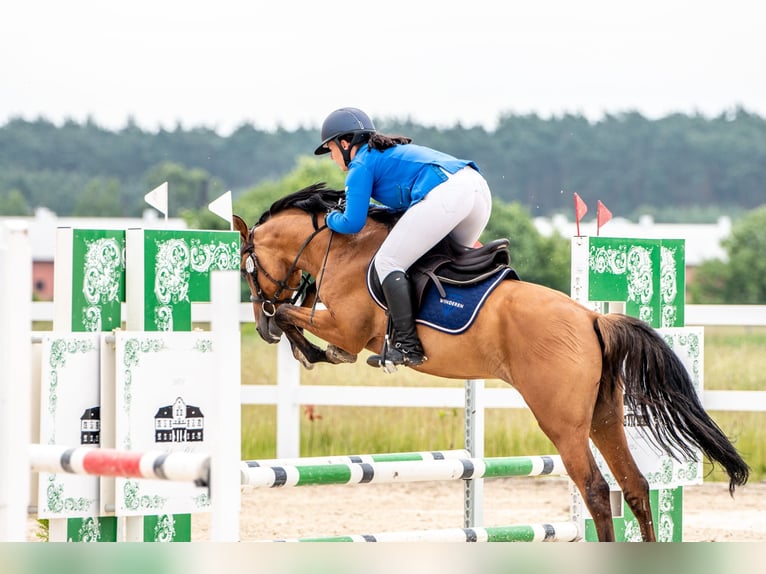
(222, 208)
(158, 198)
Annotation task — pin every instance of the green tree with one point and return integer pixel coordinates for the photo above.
(255, 201)
(536, 258)
(13, 203)
(741, 280)
(100, 198)
(671, 164)
(307, 171)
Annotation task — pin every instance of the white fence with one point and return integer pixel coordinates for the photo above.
(705, 315)
(288, 394)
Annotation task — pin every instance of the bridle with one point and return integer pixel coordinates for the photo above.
(253, 267)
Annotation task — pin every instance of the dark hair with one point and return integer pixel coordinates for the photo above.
(379, 141)
(382, 142)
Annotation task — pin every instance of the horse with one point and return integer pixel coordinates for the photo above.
(577, 369)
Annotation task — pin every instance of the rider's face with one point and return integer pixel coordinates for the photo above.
(337, 155)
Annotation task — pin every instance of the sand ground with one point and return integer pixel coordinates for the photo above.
(710, 514)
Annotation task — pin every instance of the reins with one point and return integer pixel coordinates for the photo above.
(321, 276)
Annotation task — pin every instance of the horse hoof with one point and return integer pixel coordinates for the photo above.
(301, 358)
(336, 355)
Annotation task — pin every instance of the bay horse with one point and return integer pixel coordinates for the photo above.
(576, 368)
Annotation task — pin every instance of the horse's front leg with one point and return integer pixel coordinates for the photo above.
(306, 352)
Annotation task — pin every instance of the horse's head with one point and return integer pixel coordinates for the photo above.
(266, 286)
(271, 251)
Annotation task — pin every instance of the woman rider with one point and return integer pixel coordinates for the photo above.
(440, 195)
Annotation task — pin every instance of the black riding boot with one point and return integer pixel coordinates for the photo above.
(406, 348)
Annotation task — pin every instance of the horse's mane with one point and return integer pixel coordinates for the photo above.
(318, 198)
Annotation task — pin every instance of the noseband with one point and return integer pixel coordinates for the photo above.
(252, 268)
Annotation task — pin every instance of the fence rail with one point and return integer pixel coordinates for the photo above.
(695, 315)
(446, 397)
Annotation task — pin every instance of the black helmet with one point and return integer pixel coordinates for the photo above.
(341, 122)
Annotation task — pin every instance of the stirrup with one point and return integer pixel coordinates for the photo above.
(394, 356)
(377, 361)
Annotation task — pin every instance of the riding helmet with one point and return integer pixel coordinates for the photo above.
(341, 122)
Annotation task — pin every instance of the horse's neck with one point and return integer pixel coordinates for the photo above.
(350, 254)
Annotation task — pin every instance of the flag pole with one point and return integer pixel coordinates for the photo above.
(580, 210)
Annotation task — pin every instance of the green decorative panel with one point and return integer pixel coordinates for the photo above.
(167, 528)
(672, 282)
(177, 266)
(647, 274)
(102, 529)
(98, 279)
(667, 514)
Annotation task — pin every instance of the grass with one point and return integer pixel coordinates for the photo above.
(734, 360)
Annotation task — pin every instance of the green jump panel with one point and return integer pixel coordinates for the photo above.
(667, 514)
(170, 269)
(647, 274)
(89, 279)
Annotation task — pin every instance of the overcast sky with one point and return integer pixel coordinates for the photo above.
(222, 63)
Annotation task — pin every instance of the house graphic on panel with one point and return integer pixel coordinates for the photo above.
(179, 422)
(90, 426)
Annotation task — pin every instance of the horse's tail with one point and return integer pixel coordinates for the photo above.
(660, 392)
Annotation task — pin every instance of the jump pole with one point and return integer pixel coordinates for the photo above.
(543, 532)
(401, 471)
(157, 465)
(359, 458)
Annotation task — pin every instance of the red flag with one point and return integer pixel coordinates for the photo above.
(580, 210)
(602, 216)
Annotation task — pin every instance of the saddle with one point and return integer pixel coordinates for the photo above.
(452, 264)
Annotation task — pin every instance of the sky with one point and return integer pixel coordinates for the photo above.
(282, 63)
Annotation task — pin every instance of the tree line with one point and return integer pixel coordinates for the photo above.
(685, 167)
(679, 168)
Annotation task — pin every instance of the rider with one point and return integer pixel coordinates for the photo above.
(440, 195)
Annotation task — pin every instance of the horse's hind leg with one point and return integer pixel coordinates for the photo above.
(569, 433)
(583, 471)
(608, 435)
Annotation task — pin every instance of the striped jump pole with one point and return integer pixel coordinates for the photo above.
(401, 471)
(359, 458)
(548, 532)
(179, 466)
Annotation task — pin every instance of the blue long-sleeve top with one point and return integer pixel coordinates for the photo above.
(397, 177)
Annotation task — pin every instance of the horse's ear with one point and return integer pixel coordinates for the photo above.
(241, 226)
